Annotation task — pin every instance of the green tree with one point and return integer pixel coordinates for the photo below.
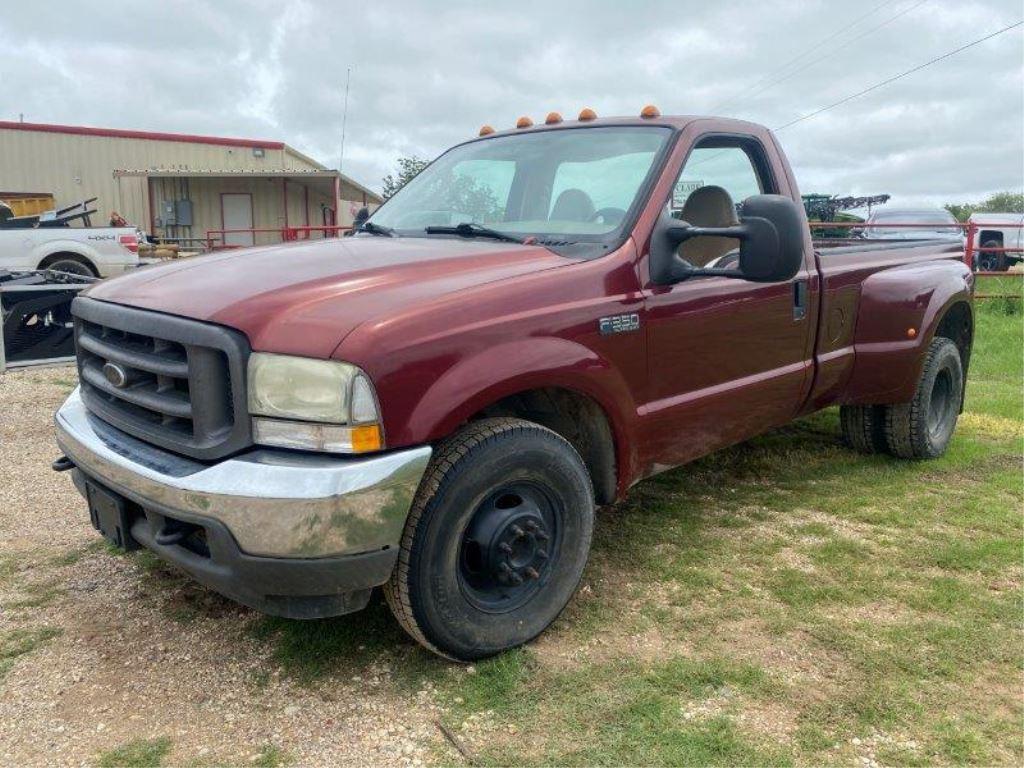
(1000, 202)
(453, 191)
(408, 167)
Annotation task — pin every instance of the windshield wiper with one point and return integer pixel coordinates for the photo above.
(376, 229)
(472, 229)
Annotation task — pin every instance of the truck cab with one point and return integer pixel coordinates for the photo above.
(437, 405)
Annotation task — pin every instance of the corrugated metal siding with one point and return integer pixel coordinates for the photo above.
(75, 167)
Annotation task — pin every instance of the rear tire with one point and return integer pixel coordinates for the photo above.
(922, 428)
(71, 264)
(864, 427)
(496, 541)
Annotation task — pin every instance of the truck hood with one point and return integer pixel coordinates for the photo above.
(303, 299)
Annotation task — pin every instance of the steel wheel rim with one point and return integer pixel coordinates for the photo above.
(510, 547)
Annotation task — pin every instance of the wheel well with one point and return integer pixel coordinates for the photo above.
(957, 325)
(577, 418)
(986, 235)
(55, 257)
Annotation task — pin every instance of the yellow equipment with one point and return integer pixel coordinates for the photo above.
(28, 203)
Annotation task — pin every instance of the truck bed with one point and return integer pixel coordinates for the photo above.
(847, 273)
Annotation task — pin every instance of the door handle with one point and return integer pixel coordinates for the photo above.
(799, 299)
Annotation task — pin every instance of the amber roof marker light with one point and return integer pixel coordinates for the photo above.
(587, 114)
(486, 130)
(650, 112)
(553, 118)
(524, 122)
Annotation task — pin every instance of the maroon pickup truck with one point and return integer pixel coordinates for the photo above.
(437, 404)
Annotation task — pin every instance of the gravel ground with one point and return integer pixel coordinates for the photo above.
(122, 664)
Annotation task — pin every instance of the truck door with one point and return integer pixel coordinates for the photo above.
(728, 358)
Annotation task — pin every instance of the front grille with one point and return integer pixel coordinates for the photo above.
(173, 382)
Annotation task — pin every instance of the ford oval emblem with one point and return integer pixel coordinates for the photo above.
(115, 374)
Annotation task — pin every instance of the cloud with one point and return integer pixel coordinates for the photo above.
(427, 75)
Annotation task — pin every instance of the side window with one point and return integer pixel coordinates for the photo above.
(730, 168)
(710, 191)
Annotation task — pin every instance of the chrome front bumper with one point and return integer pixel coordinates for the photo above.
(274, 503)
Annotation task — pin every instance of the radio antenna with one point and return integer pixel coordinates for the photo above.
(344, 118)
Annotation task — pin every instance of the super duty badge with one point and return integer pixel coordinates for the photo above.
(619, 324)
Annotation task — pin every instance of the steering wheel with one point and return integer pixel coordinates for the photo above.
(730, 260)
(608, 215)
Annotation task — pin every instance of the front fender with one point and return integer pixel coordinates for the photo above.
(900, 310)
(494, 373)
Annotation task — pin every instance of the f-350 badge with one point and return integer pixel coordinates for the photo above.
(619, 324)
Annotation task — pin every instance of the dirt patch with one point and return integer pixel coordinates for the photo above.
(794, 658)
(146, 654)
(862, 533)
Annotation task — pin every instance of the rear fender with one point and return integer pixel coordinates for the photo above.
(51, 247)
(495, 373)
(900, 310)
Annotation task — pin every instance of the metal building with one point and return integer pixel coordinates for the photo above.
(182, 187)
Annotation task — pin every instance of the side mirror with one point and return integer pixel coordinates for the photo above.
(360, 218)
(771, 243)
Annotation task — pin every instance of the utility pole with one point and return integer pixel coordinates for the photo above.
(344, 118)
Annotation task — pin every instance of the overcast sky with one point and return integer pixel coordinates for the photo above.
(426, 75)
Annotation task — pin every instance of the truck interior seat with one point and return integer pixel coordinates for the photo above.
(709, 206)
(573, 205)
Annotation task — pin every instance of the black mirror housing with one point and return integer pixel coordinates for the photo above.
(773, 249)
(771, 243)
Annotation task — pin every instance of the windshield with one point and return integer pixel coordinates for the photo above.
(560, 186)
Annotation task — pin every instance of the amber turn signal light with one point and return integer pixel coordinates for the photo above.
(587, 114)
(649, 112)
(486, 130)
(552, 118)
(911, 333)
(366, 438)
(524, 122)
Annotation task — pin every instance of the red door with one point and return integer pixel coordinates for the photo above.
(728, 358)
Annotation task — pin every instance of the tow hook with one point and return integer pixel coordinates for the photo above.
(63, 464)
(174, 532)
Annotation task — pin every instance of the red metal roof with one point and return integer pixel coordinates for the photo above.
(150, 135)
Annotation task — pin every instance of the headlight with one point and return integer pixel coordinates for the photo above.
(319, 405)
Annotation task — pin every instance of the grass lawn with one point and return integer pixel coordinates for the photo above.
(786, 601)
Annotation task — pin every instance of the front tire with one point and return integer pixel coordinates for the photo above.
(496, 541)
(922, 428)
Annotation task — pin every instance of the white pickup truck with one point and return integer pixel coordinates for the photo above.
(93, 251)
(998, 230)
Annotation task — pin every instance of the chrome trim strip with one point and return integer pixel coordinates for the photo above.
(275, 503)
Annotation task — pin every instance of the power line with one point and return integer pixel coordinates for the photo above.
(835, 50)
(901, 75)
(799, 56)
